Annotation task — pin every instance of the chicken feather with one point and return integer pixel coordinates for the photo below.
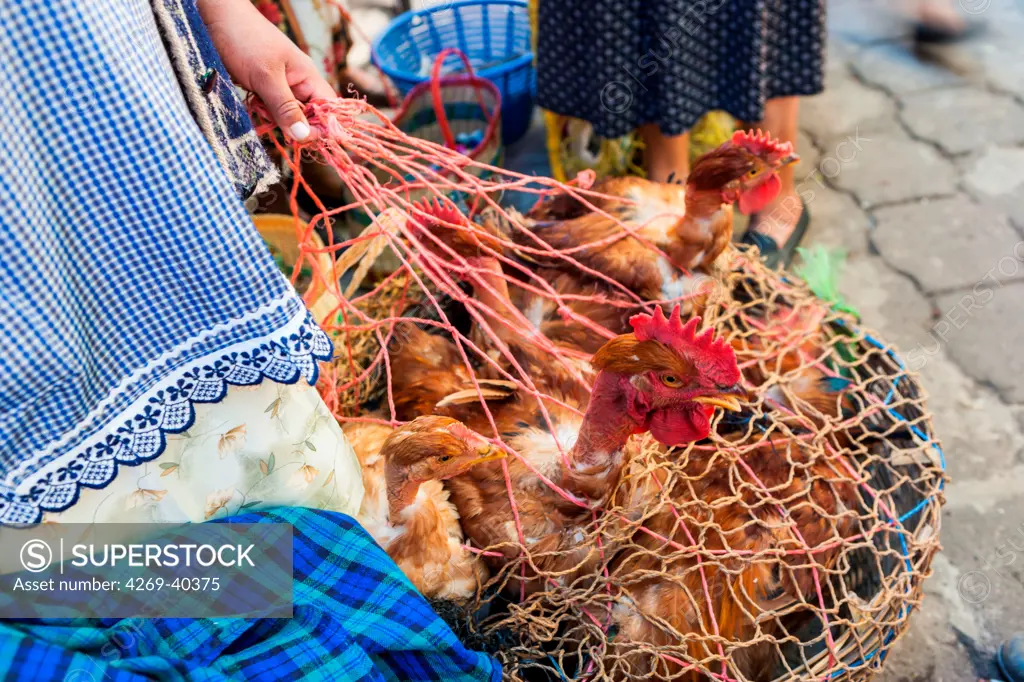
(406, 508)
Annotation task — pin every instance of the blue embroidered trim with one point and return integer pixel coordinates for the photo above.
(143, 436)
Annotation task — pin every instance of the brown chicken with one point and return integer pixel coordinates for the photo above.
(405, 506)
(790, 344)
(813, 377)
(727, 501)
(691, 224)
(663, 378)
(505, 313)
(732, 501)
(799, 383)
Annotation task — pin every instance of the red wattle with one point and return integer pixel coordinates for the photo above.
(679, 426)
(755, 199)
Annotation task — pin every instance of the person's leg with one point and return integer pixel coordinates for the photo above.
(780, 217)
(665, 154)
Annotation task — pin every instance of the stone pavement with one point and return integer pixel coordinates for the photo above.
(916, 169)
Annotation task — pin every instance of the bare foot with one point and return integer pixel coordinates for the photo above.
(942, 16)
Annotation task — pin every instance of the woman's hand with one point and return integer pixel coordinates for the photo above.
(262, 60)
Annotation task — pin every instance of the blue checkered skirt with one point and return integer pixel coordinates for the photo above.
(132, 282)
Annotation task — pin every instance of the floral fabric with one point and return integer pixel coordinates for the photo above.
(261, 446)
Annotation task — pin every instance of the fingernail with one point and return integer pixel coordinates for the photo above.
(299, 131)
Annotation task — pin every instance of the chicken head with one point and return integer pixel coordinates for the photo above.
(673, 377)
(745, 169)
(430, 448)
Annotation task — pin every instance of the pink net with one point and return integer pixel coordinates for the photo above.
(790, 543)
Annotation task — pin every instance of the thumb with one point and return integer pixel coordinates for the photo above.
(286, 110)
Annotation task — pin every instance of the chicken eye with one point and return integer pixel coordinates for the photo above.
(444, 458)
(753, 172)
(670, 380)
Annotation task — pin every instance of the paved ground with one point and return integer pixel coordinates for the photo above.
(918, 172)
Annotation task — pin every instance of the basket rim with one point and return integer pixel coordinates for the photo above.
(458, 81)
(396, 73)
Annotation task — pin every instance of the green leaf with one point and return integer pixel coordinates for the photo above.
(168, 465)
(310, 446)
(273, 406)
(821, 269)
(270, 464)
(251, 504)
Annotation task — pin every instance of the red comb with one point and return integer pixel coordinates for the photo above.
(762, 144)
(711, 356)
(460, 430)
(441, 211)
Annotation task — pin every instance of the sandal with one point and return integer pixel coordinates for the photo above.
(771, 253)
(1010, 658)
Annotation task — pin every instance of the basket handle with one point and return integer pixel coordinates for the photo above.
(435, 91)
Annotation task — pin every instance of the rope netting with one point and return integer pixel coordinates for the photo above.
(791, 543)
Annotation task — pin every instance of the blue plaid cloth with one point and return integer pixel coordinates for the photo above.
(356, 617)
(132, 282)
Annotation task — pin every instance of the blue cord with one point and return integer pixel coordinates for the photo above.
(558, 668)
(906, 608)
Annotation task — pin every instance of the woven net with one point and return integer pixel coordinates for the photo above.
(790, 544)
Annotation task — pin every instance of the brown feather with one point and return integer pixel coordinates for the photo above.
(725, 515)
(691, 224)
(471, 395)
(626, 355)
(426, 542)
(424, 369)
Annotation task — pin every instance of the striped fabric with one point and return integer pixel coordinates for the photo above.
(132, 282)
(356, 617)
(212, 98)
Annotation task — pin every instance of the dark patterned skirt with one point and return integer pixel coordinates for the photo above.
(622, 63)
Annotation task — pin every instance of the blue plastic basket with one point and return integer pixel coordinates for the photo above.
(494, 34)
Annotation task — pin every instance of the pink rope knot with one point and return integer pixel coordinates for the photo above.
(336, 131)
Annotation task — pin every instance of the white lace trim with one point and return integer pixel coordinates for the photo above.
(138, 434)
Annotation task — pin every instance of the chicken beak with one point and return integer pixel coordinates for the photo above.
(725, 398)
(788, 160)
(726, 402)
(488, 453)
